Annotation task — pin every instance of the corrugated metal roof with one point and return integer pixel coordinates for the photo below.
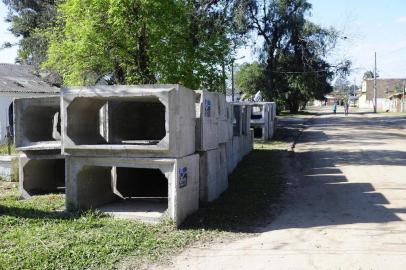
(22, 79)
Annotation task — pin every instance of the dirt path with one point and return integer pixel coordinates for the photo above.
(345, 208)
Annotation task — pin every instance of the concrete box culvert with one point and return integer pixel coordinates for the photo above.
(237, 119)
(37, 123)
(263, 115)
(230, 158)
(207, 120)
(213, 174)
(42, 174)
(148, 189)
(133, 121)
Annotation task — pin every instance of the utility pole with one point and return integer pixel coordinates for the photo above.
(403, 109)
(375, 95)
(232, 80)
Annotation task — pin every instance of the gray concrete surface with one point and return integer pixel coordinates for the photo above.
(345, 207)
(263, 118)
(207, 120)
(41, 174)
(125, 120)
(213, 173)
(37, 123)
(117, 184)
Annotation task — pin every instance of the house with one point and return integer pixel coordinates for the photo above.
(384, 88)
(397, 102)
(18, 81)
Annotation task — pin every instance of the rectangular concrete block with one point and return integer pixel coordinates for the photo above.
(8, 167)
(41, 174)
(230, 119)
(213, 173)
(224, 120)
(237, 119)
(248, 142)
(37, 123)
(209, 163)
(149, 189)
(222, 107)
(246, 116)
(223, 170)
(207, 120)
(263, 115)
(129, 121)
(236, 151)
(229, 153)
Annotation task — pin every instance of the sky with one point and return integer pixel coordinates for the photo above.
(368, 25)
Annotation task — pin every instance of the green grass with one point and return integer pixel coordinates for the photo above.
(4, 149)
(37, 234)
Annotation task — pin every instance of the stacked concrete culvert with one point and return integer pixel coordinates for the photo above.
(131, 150)
(263, 119)
(145, 152)
(38, 138)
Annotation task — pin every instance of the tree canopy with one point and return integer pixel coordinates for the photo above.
(140, 41)
(251, 78)
(368, 75)
(294, 49)
(28, 20)
(191, 42)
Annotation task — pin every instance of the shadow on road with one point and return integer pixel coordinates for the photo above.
(319, 194)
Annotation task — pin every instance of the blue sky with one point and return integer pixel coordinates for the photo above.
(370, 25)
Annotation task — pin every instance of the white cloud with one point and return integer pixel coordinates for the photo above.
(401, 19)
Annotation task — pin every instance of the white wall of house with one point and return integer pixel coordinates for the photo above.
(383, 104)
(5, 102)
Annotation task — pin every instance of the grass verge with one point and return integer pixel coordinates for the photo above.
(4, 149)
(37, 234)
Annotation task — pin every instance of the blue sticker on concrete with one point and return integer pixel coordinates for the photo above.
(182, 177)
(207, 107)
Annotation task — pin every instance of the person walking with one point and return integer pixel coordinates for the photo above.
(335, 108)
(346, 108)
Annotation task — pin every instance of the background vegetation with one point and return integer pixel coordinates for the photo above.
(191, 42)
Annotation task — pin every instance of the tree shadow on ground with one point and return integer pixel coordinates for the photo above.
(255, 189)
(319, 194)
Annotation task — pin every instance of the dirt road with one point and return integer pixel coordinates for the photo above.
(345, 207)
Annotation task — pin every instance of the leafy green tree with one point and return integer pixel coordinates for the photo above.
(140, 41)
(368, 75)
(294, 49)
(28, 20)
(251, 78)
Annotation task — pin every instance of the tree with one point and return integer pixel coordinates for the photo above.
(369, 75)
(251, 78)
(28, 20)
(140, 41)
(294, 49)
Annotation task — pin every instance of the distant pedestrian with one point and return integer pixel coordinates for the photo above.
(335, 108)
(346, 107)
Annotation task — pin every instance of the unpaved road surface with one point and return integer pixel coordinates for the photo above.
(345, 207)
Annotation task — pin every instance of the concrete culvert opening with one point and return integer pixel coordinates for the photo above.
(83, 121)
(138, 121)
(244, 120)
(258, 132)
(135, 193)
(44, 176)
(41, 123)
(236, 120)
(135, 121)
(256, 112)
(135, 183)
